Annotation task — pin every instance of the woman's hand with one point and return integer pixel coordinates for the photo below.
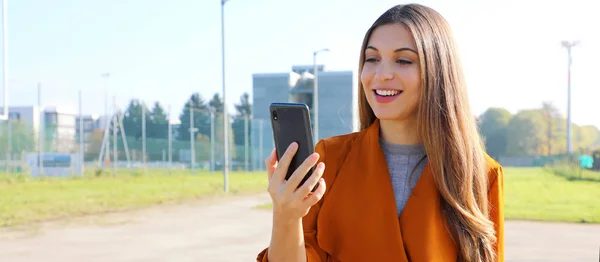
(291, 203)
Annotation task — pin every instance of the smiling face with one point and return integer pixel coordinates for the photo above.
(391, 73)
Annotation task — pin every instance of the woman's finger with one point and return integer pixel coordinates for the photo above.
(311, 182)
(271, 163)
(284, 163)
(301, 172)
(314, 197)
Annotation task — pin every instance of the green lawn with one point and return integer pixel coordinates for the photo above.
(530, 193)
(24, 200)
(538, 194)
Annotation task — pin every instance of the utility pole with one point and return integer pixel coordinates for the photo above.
(212, 140)
(41, 133)
(115, 124)
(192, 144)
(225, 118)
(260, 139)
(246, 142)
(4, 115)
(569, 45)
(9, 148)
(81, 137)
(124, 138)
(106, 117)
(170, 138)
(316, 94)
(144, 136)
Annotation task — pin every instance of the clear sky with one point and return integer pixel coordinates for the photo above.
(166, 50)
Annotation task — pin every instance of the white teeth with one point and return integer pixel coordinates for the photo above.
(387, 92)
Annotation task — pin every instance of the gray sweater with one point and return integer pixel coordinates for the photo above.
(401, 161)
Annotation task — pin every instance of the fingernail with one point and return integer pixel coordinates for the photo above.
(293, 145)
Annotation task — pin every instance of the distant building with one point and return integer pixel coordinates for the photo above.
(338, 112)
(59, 126)
(30, 117)
(91, 123)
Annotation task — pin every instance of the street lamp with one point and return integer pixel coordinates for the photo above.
(316, 94)
(569, 45)
(192, 130)
(106, 117)
(225, 129)
(4, 115)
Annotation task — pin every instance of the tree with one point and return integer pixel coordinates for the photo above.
(94, 145)
(201, 117)
(219, 139)
(551, 117)
(132, 119)
(493, 127)
(158, 127)
(244, 109)
(216, 103)
(22, 137)
(526, 134)
(585, 137)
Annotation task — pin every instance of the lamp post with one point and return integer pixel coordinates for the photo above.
(225, 119)
(4, 115)
(192, 137)
(106, 117)
(569, 45)
(316, 94)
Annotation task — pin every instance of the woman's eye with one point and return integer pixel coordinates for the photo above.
(403, 61)
(371, 60)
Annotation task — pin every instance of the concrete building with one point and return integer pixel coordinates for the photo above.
(29, 115)
(25, 126)
(60, 129)
(338, 106)
(59, 126)
(91, 123)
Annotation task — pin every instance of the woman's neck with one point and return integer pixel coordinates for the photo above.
(402, 132)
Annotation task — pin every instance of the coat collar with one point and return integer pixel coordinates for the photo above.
(358, 220)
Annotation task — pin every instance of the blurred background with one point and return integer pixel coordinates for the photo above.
(97, 94)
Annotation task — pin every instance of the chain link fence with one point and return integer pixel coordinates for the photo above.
(35, 140)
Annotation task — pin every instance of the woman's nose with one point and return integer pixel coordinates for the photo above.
(384, 73)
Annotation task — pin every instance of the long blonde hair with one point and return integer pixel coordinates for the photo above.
(454, 148)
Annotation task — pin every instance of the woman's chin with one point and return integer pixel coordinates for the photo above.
(391, 115)
(387, 115)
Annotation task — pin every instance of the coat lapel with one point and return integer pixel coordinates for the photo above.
(425, 233)
(358, 220)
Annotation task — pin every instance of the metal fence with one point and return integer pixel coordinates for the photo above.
(130, 139)
(35, 140)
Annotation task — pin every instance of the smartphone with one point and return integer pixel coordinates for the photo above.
(291, 123)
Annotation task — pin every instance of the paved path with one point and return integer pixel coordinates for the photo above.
(231, 230)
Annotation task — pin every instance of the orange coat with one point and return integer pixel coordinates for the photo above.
(356, 220)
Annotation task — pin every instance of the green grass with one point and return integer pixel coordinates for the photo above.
(574, 174)
(25, 200)
(530, 193)
(540, 194)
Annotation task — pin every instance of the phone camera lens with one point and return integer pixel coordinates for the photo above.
(274, 115)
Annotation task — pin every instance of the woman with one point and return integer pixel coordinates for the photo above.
(415, 183)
